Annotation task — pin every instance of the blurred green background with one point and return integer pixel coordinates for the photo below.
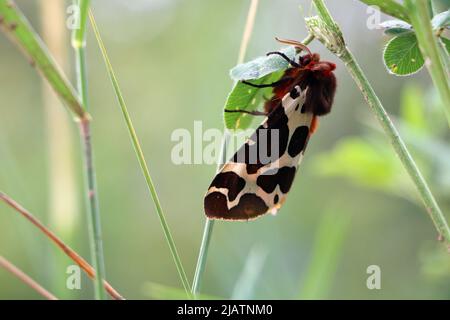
(352, 205)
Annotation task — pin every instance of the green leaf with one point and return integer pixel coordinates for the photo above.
(262, 66)
(261, 70)
(402, 55)
(395, 27)
(245, 97)
(441, 20)
(390, 7)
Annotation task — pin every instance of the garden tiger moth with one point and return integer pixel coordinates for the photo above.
(245, 189)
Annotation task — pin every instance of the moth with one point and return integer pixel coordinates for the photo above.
(249, 184)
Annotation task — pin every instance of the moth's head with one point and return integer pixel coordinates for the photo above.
(317, 76)
(313, 63)
(321, 83)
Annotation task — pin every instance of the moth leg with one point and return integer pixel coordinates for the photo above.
(253, 113)
(314, 124)
(267, 85)
(285, 57)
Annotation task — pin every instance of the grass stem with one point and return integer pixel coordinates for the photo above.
(201, 261)
(208, 229)
(94, 224)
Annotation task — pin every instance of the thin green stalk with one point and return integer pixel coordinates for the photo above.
(209, 224)
(94, 224)
(79, 45)
(16, 26)
(208, 229)
(428, 43)
(201, 260)
(330, 34)
(141, 159)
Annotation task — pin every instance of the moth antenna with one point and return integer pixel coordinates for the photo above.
(295, 43)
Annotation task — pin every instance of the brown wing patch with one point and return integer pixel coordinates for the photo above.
(282, 177)
(250, 206)
(231, 181)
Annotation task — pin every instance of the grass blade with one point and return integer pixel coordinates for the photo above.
(15, 25)
(141, 158)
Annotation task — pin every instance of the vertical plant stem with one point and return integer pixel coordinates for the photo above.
(94, 225)
(331, 36)
(208, 229)
(201, 261)
(26, 279)
(209, 224)
(141, 159)
(428, 43)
